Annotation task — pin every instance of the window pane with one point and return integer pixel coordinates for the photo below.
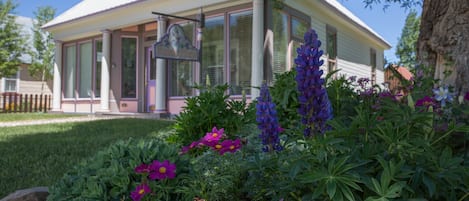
(181, 74)
(280, 27)
(331, 41)
(86, 64)
(10, 85)
(240, 61)
(299, 28)
(213, 48)
(129, 64)
(69, 72)
(99, 53)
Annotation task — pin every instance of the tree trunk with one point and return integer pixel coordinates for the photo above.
(444, 41)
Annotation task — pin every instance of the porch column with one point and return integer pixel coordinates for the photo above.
(257, 47)
(57, 88)
(105, 70)
(160, 99)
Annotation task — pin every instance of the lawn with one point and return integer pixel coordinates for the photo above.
(8, 117)
(40, 155)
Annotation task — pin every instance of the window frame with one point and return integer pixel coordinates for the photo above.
(137, 52)
(15, 79)
(373, 64)
(77, 69)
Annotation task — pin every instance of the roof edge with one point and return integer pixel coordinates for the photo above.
(363, 28)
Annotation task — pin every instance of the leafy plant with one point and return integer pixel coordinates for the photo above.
(212, 108)
(110, 174)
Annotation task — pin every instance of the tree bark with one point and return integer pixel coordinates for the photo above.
(444, 41)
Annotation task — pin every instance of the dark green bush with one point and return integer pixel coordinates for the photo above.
(285, 96)
(212, 108)
(110, 174)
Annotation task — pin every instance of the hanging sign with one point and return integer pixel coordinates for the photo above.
(175, 45)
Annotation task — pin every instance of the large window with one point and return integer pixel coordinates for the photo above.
(289, 27)
(240, 52)
(181, 72)
(11, 84)
(82, 69)
(70, 71)
(86, 67)
(129, 67)
(98, 59)
(212, 70)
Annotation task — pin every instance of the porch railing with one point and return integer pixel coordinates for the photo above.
(15, 102)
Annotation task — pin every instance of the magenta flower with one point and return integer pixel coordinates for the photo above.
(213, 136)
(466, 97)
(140, 192)
(230, 146)
(194, 144)
(425, 102)
(162, 170)
(143, 168)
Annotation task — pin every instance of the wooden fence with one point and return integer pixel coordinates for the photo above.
(15, 102)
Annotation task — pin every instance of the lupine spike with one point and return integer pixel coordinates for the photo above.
(267, 121)
(315, 106)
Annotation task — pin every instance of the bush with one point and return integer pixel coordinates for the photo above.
(110, 174)
(212, 108)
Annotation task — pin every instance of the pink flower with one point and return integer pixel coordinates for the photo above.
(194, 144)
(139, 192)
(213, 136)
(143, 168)
(162, 170)
(230, 146)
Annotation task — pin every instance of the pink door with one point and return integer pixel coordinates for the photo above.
(150, 80)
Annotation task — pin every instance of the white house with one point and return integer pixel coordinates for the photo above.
(105, 49)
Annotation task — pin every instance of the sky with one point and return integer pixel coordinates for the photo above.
(387, 23)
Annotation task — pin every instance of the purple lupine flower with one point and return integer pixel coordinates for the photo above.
(267, 121)
(466, 97)
(315, 106)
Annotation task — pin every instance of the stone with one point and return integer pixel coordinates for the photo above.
(31, 194)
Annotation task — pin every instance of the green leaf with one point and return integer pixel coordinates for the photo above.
(331, 188)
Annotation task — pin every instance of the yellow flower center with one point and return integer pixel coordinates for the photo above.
(141, 191)
(162, 170)
(217, 146)
(232, 147)
(214, 134)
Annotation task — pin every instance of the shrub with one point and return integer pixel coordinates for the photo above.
(212, 108)
(110, 174)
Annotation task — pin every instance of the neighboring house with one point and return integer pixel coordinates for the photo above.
(394, 76)
(106, 50)
(22, 82)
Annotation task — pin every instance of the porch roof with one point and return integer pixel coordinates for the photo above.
(86, 8)
(347, 14)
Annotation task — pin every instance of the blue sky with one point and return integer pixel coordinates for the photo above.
(388, 23)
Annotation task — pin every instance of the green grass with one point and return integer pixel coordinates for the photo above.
(8, 117)
(40, 155)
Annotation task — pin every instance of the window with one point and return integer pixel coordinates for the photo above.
(288, 27)
(331, 48)
(99, 53)
(70, 71)
(82, 69)
(240, 52)
(181, 72)
(373, 65)
(85, 67)
(11, 84)
(212, 70)
(129, 67)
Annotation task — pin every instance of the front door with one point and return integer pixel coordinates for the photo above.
(150, 80)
